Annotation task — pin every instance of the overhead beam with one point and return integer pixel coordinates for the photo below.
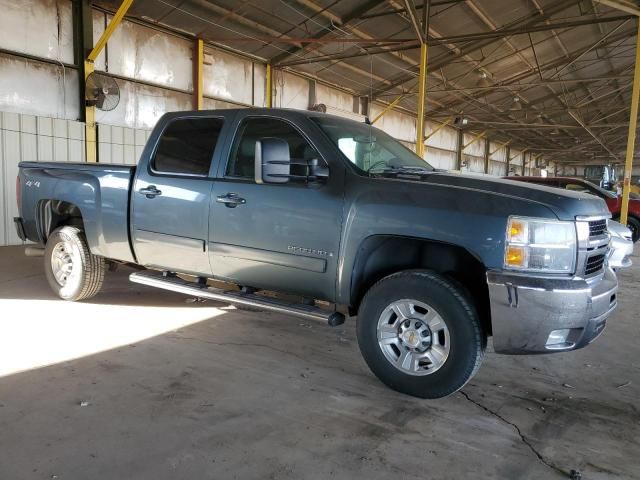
(624, 5)
(466, 38)
(412, 13)
(445, 59)
(329, 27)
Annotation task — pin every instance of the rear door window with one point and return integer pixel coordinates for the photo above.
(186, 146)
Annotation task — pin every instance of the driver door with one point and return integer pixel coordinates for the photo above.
(282, 236)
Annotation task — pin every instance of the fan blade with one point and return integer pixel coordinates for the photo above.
(100, 100)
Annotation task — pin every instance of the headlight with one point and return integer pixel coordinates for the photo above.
(539, 245)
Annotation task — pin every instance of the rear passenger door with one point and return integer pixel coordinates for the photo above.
(170, 213)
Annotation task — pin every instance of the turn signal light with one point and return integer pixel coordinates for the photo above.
(517, 231)
(515, 256)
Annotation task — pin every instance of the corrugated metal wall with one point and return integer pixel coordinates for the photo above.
(31, 138)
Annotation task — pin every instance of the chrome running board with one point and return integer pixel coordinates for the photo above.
(235, 297)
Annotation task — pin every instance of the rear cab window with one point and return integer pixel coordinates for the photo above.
(186, 146)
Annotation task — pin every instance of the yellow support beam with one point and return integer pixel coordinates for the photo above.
(198, 82)
(439, 127)
(422, 92)
(387, 108)
(501, 146)
(631, 138)
(519, 153)
(269, 87)
(90, 134)
(113, 24)
(90, 137)
(475, 139)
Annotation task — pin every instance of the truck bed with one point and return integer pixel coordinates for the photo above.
(100, 191)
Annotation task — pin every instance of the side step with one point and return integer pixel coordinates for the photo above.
(176, 284)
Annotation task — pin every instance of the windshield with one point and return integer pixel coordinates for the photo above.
(369, 149)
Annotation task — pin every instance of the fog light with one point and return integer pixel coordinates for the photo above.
(558, 338)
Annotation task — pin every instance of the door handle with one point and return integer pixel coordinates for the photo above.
(150, 192)
(231, 200)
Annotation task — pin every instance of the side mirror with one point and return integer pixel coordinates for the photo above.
(273, 164)
(272, 161)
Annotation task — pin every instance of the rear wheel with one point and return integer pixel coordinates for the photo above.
(71, 270)
(420, 334)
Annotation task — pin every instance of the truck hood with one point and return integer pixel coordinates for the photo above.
(565, 204)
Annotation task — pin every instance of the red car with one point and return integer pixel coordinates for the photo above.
(613, 201)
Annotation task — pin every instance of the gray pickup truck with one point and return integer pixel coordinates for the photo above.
(346, 220)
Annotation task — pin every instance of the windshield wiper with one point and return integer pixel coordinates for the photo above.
(406, 170)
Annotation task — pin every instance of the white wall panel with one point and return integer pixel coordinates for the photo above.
(474, 164)
(259, 84)
(332, 97)
(143, 53)
(38, 88)
(439, 158)
(396, 124)
(498, 169)
(227, 76)
(446, 138)
(120, 145)
(43, 28)
(28, 138)
(141, 105)
(291, 91)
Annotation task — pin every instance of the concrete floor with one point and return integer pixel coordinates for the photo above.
(144, 384)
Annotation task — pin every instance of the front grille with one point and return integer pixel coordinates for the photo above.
(597, 227)
(594, 264)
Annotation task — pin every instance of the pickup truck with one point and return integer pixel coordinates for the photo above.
(343, 219)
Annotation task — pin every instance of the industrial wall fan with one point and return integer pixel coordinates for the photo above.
(102, 91)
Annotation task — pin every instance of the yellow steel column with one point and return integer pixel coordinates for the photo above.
(90, 137)
(631, 138)
(198, 82)
(269, 87)
(422, 92)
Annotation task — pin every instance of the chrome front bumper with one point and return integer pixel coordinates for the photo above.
(620, 252)
(526, 310)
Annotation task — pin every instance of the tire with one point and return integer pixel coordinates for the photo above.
(72, 271)
(437, 300)
(634, 225)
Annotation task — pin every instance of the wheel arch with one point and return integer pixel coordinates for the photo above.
(53, 213)
(382, 255)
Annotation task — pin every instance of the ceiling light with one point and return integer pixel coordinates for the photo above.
(483, 81)
(516, 104)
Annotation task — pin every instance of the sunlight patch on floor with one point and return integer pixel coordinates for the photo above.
(36, 333)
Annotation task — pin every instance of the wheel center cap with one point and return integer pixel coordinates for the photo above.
(411, 338)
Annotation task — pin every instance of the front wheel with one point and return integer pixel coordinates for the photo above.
(420, 334)
(72, 271)
(634, 226)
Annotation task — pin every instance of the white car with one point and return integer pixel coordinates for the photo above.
(621, 245)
